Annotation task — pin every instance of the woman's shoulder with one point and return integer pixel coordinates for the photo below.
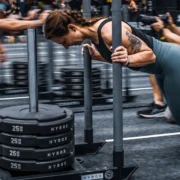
(100, 21)
(126, 26)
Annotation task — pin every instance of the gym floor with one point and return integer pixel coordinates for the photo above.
(158, 157)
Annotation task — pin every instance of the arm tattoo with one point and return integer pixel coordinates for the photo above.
(135, 43)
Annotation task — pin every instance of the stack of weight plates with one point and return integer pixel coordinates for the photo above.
(20, 75)
(73, 82)
(36, 142)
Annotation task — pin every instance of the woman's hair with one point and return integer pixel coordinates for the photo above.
(57, 22)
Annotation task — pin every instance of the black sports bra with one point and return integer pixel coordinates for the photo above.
(106, 53)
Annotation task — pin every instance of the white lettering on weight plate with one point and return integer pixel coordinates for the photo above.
(58, 140)
(58, 165)
(15, 166)
(14, 153)
(61, 127)
(16, 141)
(17, 128)
(56, 153)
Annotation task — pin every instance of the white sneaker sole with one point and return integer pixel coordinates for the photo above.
(152, 116)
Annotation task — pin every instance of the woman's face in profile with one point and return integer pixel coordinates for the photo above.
(72, 38)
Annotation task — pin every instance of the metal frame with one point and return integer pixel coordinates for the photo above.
(89, 146)
(32, 70)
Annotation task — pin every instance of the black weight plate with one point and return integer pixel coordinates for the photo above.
(97, 94)
(35, 153)
(20, 65)
(42, 65)
(36, 166)
(42, 80)
(78, 87)
(94, 75)
(21, 77)
(24, 65)
(15, 90)
(21, 71)
(75, 68)
(25, 72)
(34, 126)
(45, 113)
(21, 83)
(42, 75)
(36, 141)
(23, 90)
(42, 89)
(76, 72)
(70, 93)
(25, 77)
(78, 81)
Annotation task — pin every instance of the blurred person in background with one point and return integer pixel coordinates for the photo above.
(132, 4)
(2, 53)
(14, 12)
(55, 5)
(15, 25)
(3, 8)
(169, 33)
(63, 4)
(12, 37)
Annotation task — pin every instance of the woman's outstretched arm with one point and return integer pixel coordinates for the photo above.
(7, 24)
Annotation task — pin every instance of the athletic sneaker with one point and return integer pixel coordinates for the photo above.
(168, 115)
(153, 110)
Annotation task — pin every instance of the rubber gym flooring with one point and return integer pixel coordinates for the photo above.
(158, 158)
(153, 143)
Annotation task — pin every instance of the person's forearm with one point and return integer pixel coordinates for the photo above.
(142, 59)
(8, 12)
(22, 25)
(171, 37)
(2, 49)
(26, 18)
(19, 25)
(174, 29)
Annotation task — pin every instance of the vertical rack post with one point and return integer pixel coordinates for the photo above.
(118, 153)
(88, 130)
(89, 146)
(50, 68)
(32, 70)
